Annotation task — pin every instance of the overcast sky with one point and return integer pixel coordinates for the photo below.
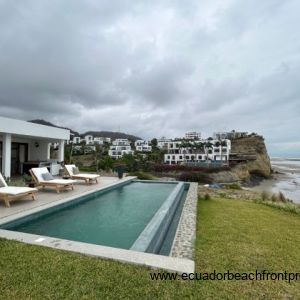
(155, 68)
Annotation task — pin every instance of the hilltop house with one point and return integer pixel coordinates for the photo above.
(162, 143)
(24, 145)
(192, 135)
(229, 135)
(89, 139)
(142, 146)
(76, 140)
(120, 147)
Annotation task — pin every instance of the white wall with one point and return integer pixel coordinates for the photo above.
(42, 152)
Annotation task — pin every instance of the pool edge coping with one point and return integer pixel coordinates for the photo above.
(169, 263)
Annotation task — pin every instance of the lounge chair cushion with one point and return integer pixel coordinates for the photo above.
(87, 176)
(14, 190)
(47, 176)
(75, 170)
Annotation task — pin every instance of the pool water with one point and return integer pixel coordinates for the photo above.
(114, 218)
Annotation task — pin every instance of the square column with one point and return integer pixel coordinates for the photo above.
(61, 150)
(6, 155)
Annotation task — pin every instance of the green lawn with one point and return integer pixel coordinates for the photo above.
(233, 235)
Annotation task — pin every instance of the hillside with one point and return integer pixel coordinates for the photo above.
(110, 134)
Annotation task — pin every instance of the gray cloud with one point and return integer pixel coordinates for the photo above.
(155, 68)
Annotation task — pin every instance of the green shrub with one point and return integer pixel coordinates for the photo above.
(233, 186)
(274, 198)
(282, 198)
(265, 196)
(207, 196)
(289, 207)
(88, 168)
(17, 182)
(194, 177)
(106, 163)
(142, 175)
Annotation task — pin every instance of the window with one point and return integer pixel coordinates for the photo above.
(180, 156)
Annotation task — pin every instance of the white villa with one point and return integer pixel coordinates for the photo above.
(162, 143)
(76, 140)
(120, 147)
(24, 145)
(142, 146)
(197, 151)
(90, 140)
(229, 135)
(193, 135)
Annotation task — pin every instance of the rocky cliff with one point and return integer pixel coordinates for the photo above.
(251, 160)
(254, 147)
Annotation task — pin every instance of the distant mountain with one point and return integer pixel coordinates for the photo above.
(43, 122)
(113, 135)
(110, 134)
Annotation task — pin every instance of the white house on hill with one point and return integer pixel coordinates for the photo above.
(192, 135)
(142, 146)
(120, 147)
(179, 152)
(24, 145)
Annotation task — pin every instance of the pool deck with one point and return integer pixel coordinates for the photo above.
(47, 196)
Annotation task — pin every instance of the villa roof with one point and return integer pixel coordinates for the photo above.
(24, 128)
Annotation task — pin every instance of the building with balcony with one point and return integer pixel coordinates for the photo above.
(192, 135)
(142, 146)
(180, 152)
(120, 147)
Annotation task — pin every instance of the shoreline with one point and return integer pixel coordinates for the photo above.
(285, 178)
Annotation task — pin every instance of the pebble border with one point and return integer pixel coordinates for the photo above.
(184, 241)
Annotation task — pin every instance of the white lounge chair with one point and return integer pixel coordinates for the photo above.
(43, 178)
(10, 193)
(88, 178)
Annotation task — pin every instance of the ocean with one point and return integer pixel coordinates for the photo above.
(287, 180)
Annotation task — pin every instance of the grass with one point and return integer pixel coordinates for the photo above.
(240, 236)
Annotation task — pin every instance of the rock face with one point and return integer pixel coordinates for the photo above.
(258, 164)
(253, 145)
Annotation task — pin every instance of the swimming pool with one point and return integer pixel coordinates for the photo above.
(137, 215)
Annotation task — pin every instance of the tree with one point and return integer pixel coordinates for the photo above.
(208, 146)
(106, 163)
(153, 143)
(130, 162)
(199, 147)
